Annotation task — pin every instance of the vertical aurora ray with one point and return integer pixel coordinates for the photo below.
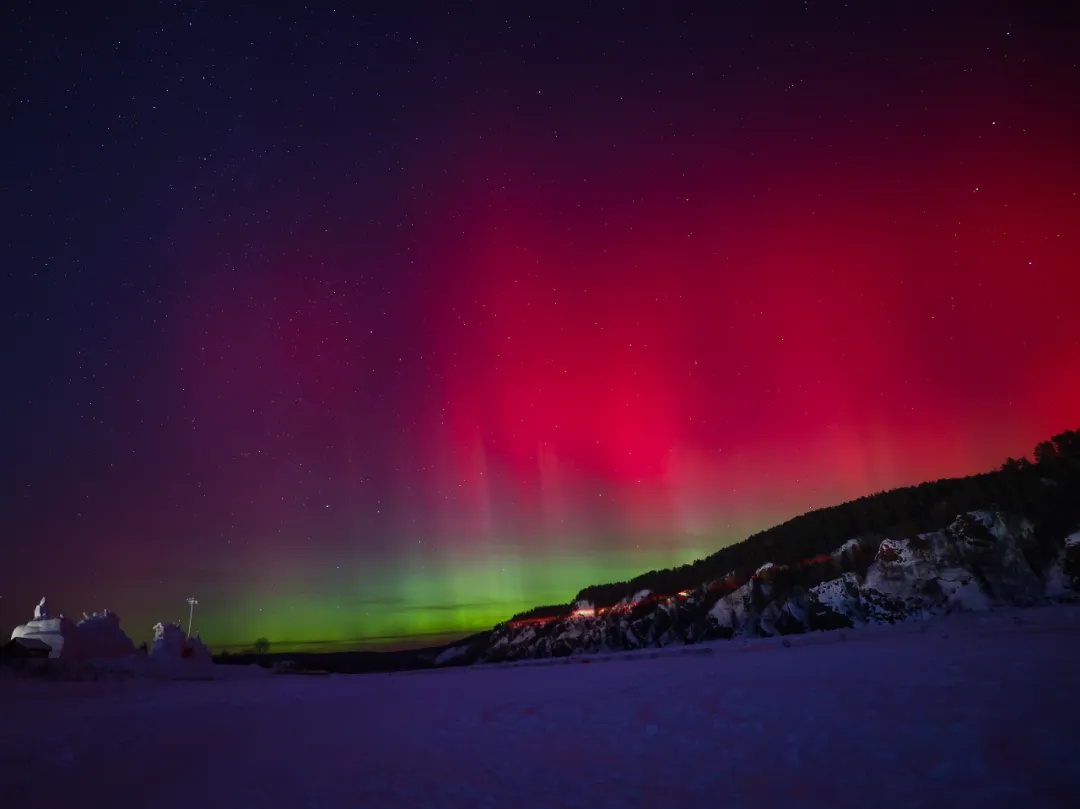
(596, 402)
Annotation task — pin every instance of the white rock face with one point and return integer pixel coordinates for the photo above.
(980, 561)
(731, 610)
(973, 565)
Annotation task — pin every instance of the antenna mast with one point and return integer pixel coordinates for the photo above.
(191, 613)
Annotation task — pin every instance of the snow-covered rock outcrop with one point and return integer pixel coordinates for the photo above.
(976, 563)
(980, 561)
(1063, 578)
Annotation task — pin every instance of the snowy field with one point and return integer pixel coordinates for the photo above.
(970, 711)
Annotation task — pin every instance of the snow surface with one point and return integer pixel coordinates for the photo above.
(972, 710)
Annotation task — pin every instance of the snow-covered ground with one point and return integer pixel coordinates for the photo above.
(976, 710)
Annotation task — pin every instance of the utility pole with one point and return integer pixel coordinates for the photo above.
(191, 613)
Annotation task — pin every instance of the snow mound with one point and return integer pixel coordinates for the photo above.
(100, 636)
(451, 654)
(171, 644)
(95, 637)
(58, 633)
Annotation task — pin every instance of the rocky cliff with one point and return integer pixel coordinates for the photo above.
(980, 561)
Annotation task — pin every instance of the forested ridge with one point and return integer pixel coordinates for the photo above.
(1044, 489)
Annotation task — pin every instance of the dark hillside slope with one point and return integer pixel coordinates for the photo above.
(1046, 491)
(1009, 538)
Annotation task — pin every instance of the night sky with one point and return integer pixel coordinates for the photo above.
(372, 328)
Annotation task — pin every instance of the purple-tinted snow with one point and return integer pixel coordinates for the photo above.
(973, 710)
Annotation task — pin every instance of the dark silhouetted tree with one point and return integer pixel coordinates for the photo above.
(1013, 465)
(1068, 444)
(1045, 452)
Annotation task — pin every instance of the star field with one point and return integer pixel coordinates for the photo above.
(376, 328)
